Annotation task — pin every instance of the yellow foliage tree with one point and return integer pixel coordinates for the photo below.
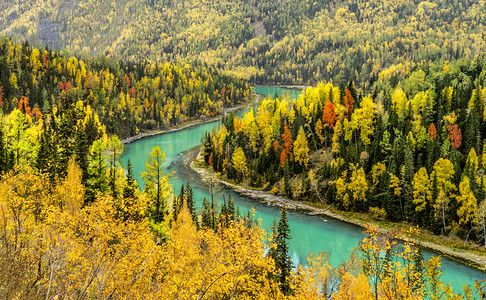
(239, 161)
(467, 204)
(301, 148)
(421, 189)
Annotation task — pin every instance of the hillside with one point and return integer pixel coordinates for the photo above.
(412, 152)
(128, 97)
(286, 42)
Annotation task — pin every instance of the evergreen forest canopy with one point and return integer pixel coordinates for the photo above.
(265, 41)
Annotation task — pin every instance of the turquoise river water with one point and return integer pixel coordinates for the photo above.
(309, 233)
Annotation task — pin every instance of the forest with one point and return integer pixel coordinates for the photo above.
(74, 224)
(412, 151)
(128, 98)
(264, 41)
(392, 125)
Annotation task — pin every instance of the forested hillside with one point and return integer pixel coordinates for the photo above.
(75, 225)
(271, 42)
(127, 97)
(414, 150)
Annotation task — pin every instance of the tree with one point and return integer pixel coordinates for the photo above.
(467, 205)
(421, 189)
(287, 145)
(364, 118)
(454, 136)
(191, 205)
(239, 161)
(98, 180)
(348, 102)
(114, 150)
(471, 167)
(131, 184)
(329, 116)
(480, 220)
(432, 131)
(70, 192)
(301, 148)
(444, 171)
(157, 186)
(319, 128)
(358, 185)
(283, 263)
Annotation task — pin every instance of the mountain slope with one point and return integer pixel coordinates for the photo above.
(298, 42)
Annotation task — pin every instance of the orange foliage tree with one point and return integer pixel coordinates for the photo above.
(348, 102)
(329, 115)
(454, 135)
(287, 145)
(432, 131)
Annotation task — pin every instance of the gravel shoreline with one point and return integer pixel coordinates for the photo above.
(143, 135)
(467, 258)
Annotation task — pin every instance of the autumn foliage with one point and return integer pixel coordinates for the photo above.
(454, 136)
(53, 246)
(348, 102)
(329, 116)
(432, 131)
(287, 145)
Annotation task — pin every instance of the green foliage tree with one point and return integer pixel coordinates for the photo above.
(157, 186)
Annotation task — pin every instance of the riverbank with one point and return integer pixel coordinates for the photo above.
(188, 125)
(196, 163)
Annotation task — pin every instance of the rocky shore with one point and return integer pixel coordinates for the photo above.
(143, 135)
(468, 258)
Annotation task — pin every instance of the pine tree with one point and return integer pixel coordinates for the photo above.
(223, 215)
(178, 203)
(66, 140)
(283, 263)
(42, 159)
(191, 204)
(114, 149)
(231, 208)
(208, 149)
(130, 184)
(97, 181)
(3, 151)
(81, 146)
(206, 220)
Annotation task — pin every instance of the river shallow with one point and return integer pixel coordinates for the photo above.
(309, 233)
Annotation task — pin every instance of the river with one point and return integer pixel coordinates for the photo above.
(309, 233)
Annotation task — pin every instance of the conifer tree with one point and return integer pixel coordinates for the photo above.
(178, 203)
(206, 215)
(283, 263)
(3, 150)
(191, 204)
(114, 149)
(130, 184)
(81, 149)
(231, 208)
(98, 180)
(42, 159)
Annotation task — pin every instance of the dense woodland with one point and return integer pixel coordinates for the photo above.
(269, 42)
(74, 224)
(404, 141)
(412, 151)
(127, 97)
(53, 245)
